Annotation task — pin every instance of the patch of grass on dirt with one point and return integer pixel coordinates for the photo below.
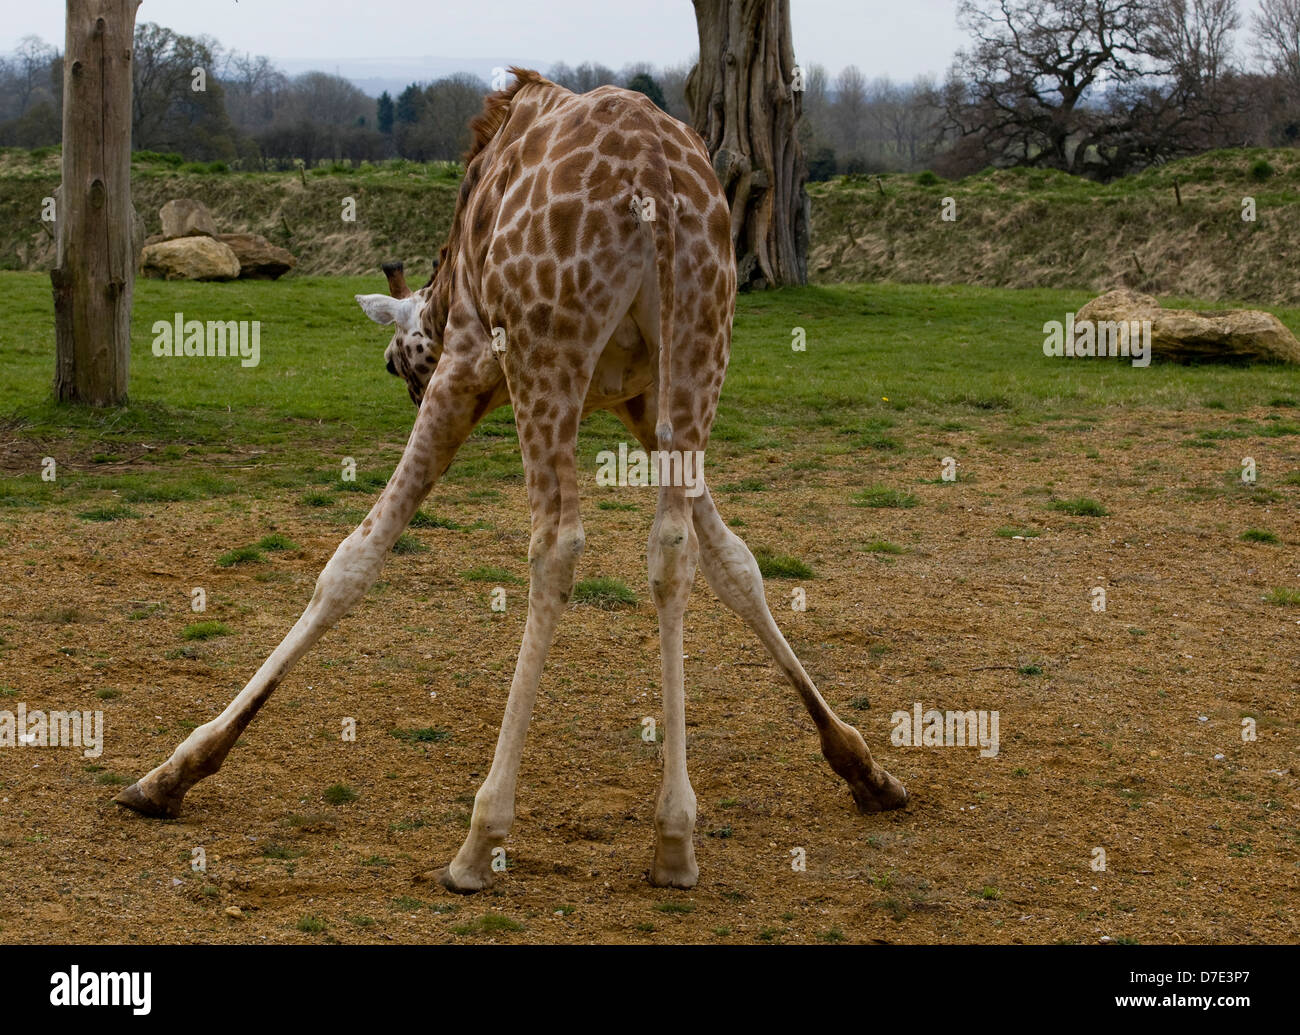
(1283, 597)
(884, 546)
(340, 794)
(276, 543)
(1080, 506)
(407, 544)
(1012, 532)
(422, 735)
(1258, 535)
(240, 555)
(108, 512)
(423, 519)
(205, 630)
(488, 573)
(881, 497)
(781, 566)
(604, 592)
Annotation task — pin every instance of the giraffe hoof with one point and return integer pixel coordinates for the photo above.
(880, 795)
(466, 884)
(681, 879)
(680, 873)
(137, 800)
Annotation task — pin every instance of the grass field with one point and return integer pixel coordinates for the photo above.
(882, 364)
(1121, 728)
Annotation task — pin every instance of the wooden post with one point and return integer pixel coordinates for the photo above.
(94, 269)
(746, 103)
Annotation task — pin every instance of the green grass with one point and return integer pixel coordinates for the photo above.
(1284, 597)
(216, 429)
(604, 592)
(781, 566)
(884, 546)
(204, 630)
(276, 542)
(111, 512)
(1258, 535)
(407, 543)
(423, 519)
(1080, 506)
(340, 794)
(487, 573)
(423, 735)
(210, 430)
(240, 555)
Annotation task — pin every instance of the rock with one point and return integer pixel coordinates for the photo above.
(259, 259)
(234, 912)
(190, 258)
(184, 217)
(1183, 335)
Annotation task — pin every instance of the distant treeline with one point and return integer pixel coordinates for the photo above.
(1100, 88)
(248, 114)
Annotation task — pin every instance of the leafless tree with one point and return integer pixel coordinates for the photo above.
(1277, 38)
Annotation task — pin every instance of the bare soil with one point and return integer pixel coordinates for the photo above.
(1120, 730)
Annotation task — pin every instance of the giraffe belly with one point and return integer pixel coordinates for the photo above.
(623, 371)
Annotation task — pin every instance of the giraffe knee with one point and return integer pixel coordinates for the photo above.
(672, 557)
(553, 557)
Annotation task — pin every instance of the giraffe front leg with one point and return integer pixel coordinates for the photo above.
(350, 572)
(553, 558)
(446, 418)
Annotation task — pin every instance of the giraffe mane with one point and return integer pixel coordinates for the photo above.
(483, 128)
(496, 108)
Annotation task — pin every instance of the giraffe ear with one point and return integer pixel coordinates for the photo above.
(386, 309)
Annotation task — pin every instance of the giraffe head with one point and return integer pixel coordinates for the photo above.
(413, 353)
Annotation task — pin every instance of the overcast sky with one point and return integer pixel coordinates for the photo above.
(901, 38)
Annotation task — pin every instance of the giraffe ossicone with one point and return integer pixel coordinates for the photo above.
(590, 266)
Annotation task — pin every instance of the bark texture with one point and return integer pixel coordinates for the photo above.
(745, 105)
(97, 232)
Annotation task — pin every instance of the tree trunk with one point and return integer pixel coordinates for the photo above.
(744, 104)
(94, 271)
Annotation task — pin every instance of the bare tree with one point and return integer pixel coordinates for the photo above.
(253, 88)
(1277, 38)
(1092, 86)
(1193, 39)
(31, 65)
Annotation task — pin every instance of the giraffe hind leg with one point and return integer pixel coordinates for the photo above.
(732, 573)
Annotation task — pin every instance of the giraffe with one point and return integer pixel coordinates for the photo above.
(589, 266)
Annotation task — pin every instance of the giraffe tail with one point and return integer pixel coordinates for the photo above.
(660, 220)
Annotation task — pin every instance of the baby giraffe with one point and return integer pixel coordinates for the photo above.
(589, 266)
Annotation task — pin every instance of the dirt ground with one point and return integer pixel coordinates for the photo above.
(1119, 730)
